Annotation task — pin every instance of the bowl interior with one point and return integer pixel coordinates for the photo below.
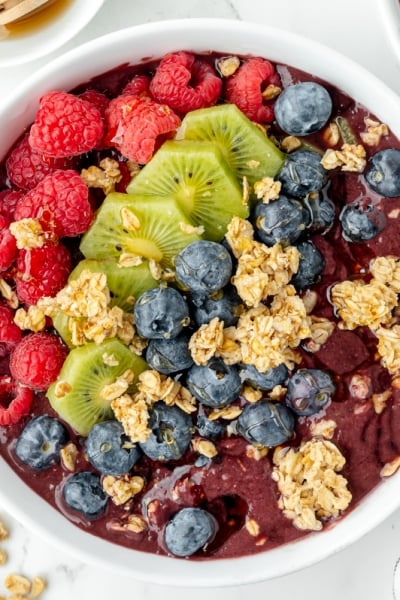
(132, 46)
(37, 42)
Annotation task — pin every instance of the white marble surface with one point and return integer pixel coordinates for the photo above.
(363, 571)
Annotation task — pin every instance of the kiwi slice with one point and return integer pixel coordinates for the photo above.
(86, 373)
(247, 149)
(61, 325)
(153, 228)
(195, 175)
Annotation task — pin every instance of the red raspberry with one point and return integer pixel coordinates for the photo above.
(118, 115)
(61, 203)
(8, 202)
(8, 246)
(244, 88)
(42, 272)
(185, 83)
(99, 100)
(37, 360)
(65, 125)
(26, 167)
(22, 397)
(10, 333)
(138, 86)
(136, 126)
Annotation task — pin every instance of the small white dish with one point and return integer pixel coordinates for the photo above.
(34, 42)
(390, 11)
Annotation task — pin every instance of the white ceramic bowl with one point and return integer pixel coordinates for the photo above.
(38, 42)
(132, 45)
(390, 11)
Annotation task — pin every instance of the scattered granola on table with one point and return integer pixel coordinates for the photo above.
(19, 586)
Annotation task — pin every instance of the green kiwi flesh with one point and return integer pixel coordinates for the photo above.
(247, 149)
(86, 373)
(197, 177)
(160, 236)
(61, 325)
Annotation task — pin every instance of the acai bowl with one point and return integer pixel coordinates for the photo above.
(323, 427)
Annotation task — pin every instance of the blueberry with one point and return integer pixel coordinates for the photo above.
(215, 384)
(281, 221)
(302, 173)
(383, 172)
(303, 108)
(189, 530)
(83, 492)
(171, 432)
(309, 391)
(266, 380)
(40, 442)
(161, 313)
(360, 223)
(311, 265)
(203, 267)
(202, 461)
(225, 304)
(109, 450)
(209, 429)
(321, 213)
(266, 423)
(169, 356)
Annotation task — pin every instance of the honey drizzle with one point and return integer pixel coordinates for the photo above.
(38, 19)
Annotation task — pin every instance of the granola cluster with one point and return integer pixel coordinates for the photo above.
(265, 335)
(373, 305)
(86, 305)
(69, 455)
(204, 447)
(28, 233)
(269, 336)
(362, 304)
(308, 479)
(374, 132)
(206, 341)
(389, 348)
(130, 523)
(133, 411)
(386, 270)
(261, 271)
(123, 488)
(104, 177)
(351, 157)
(3, 536)
(267, 189)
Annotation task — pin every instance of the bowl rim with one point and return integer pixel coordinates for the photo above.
(45, 44)
(31, 507)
